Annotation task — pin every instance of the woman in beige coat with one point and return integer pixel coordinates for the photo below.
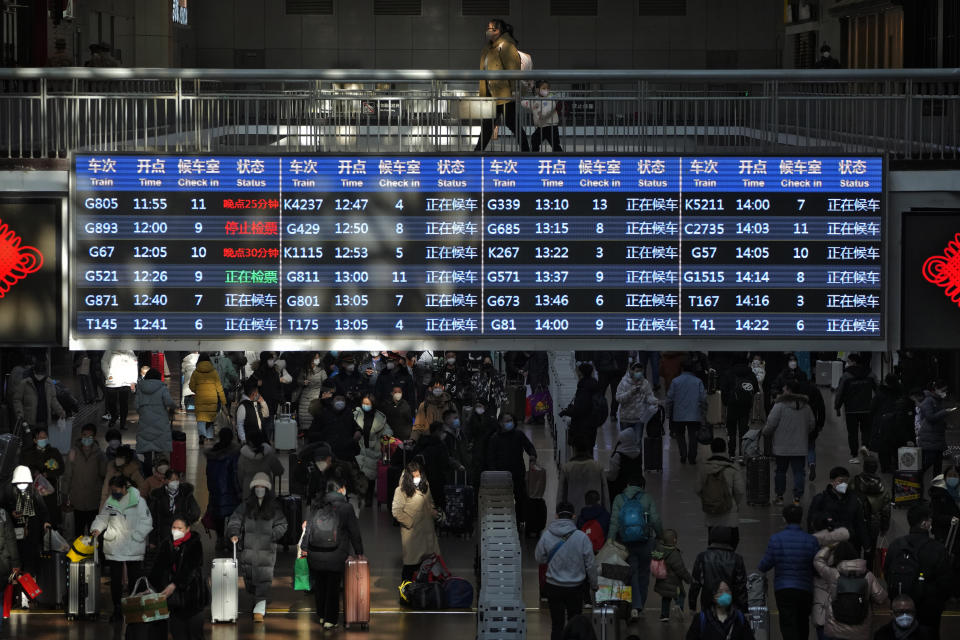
(828, 539)
(500, 54)
(849, 564)
(413, 508)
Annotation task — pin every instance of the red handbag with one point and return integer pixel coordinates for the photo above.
(29, 585)
(7, 601)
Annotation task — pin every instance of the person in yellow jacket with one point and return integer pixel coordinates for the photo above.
(208, 395)
(500, 54)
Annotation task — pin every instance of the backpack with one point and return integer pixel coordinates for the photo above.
(594, 531)
(715, 497)
(851, 601)
(599, 411)
(904, 574)
(750, 445)
(658, 565)
(633, 521)
(325, 529)
(743, 391)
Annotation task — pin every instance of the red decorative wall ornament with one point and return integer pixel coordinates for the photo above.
(16, 261)
(944, 271)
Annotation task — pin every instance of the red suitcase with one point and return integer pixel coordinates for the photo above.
(356, 592)
(157, 363)
(178, 457)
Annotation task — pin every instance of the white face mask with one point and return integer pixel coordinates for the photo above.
(271, 362)
(316, 362)
(322, 465)
(350, 368)
(375, 354)
(904, 620)
(941, 393)
(397, 397)
(416, 481)
(479, 411)
(792, 364)
(451, 361)
(544, 92)
(177, 534)
(438, 391)
(22, 486)
(260, 492)
(339, 405)
(825, 54)
(841, 488)
(391, 365)
(173, 486)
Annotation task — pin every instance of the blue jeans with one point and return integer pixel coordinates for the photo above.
(812, 453)
(204, 429)
(780, 475)
(638, 557)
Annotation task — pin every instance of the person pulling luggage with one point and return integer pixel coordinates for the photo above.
(179, 569)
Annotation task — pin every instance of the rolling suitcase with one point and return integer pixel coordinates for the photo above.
(356, 592)
(516, 402)
(536, 517)
(757, 604)
(83, 588)
(52, 578)
(758, 481)
(178, 457)
(652, 454)
(714, 409)
(9, 454)
(606, 622)
(292, 506)
(224, 592)
(285, 429)
(158, 364)
(459, 505)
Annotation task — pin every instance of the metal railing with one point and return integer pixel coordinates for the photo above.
(46, 113)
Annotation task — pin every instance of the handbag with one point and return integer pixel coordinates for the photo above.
(540, 403)
(29, 585)
(42, 485)
(222, 421)
(144, 604)
(301, 568)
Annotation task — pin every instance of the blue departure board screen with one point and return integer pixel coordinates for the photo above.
(476, 246)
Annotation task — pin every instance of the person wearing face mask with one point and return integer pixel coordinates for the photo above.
(855, 394)
(904, 624)
(175, 497)
(153, 403)
(270, 389)
(29, 515)
(221, 470)
(431, 409)
(127, 465)
(327, 562)
(453, 376)
(114, 441)
(179, 570)
(434, 461)
(120, 372)
(125, 522)
(720, 621)
(47, 461)
(943, 508)
(738, 388)
(158, 478)
(413, 508)
(790, 423)
(371, 367)
(481, 426)
(372, 425)
(848, 619)
(932, 438)
(335, 425)
(500, 53)
(396, 374)
(545, 117)
(455, 441)
(86, 467)
(637, 403)
(398, 414)
(252, 410)
(35, 399)
(349, 382)
(256, 457)
(256, 526)
(837, 504)
(487, 382)
(208, 396)
(792, 373)
(310, 381)
(505, 453)
(826, 60)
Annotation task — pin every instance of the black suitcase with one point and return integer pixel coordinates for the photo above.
(758, 481)
(52, 579)
(536, 517)
(9, 455)
(292, 506)
(516, 402)
(653, 454)
(293, 467)
(458, 513)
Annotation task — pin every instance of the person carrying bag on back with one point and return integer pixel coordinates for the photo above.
(635, 522)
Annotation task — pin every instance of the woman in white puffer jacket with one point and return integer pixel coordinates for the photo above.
(310, 381)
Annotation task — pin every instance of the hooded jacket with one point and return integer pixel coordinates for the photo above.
(855, 390)
(719, 563)
(577, 477)
(649, 507)
(573, 562)
(501, 54)
(677, 573)
(858, 568)
(222, 484)
(418, 535)
(370, 445)
(252, 462)
(933, 424)
(790, 551)
(736, 487)
(875, 498)
(184, 504)
(152, 402)
(207, 390)
(311, 387)
(637, 400)
(844, 510)
(84, 476)
(348, 535)
(259, 525)
(26, 401)
(827, 539)
(130, 469)
(125, 524)
(790, 422)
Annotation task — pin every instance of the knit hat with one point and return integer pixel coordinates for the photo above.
(261, 480)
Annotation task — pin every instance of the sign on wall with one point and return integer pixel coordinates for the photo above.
(931, 279)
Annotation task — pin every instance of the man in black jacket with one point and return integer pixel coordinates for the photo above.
(738, 387)
(398, 413)
(611, 367)
(583, 422)
(931, 595)
(855, 392)
(840, 505)
(719, 563)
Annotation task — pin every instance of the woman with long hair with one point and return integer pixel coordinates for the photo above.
(414, 510)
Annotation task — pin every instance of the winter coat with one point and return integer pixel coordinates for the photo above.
(595, 512)
(222, 479)
(875, 499)
(418, 535)
(736, 487)
(505, 453)
(934, 563)
(348, 536)
(706, 626)
(677, 573)
(580, 410)
(573, 561)
(719, 563)
(310, 383)
(9, 555)
(399, 417)
(48, 461)
(86, 468)
(649, 507)
(120, 369)
(544, 111)
(686, 399)
(131, 470)
(821, 590)
(207, 390)
(26, 400)
(728, 384)
(253, 462)
(431, 410)
(436, 460)
(370, 445)
(184, 504)
(125, 525)
(933, 424)
(891, 631)
(153, 402)
(226, 370)
(845, 511)
(501, 54)
(637, 400)
(858, 567)
(625, 458)
(790, 423)
(34, 524)
(579, 476)
(791, 552)
(944, 510)
(336, 428)
(191, 594)
(259, 526)
(855, 390)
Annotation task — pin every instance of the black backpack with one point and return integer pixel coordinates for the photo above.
(851, 602)
(599, 411)
(743, 391)
(904, 574)
(325, 529)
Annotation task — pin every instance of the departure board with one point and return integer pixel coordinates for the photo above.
(476, 246)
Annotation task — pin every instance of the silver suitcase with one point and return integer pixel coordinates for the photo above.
(606, 621)
(224, 580)
(285, 430)
(83, 588)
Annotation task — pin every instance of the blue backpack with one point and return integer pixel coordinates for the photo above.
(633, 521)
